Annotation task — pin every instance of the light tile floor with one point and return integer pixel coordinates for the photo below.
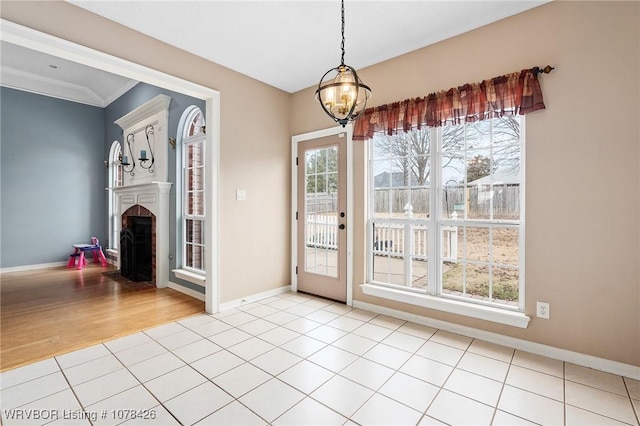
(296, 360)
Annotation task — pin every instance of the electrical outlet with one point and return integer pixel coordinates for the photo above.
(241, 194)
(542, 310)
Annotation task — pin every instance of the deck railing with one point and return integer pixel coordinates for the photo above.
(388, 238)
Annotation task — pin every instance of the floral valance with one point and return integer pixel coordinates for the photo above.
(511, 94)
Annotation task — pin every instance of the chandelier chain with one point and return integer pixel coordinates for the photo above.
(342, 45)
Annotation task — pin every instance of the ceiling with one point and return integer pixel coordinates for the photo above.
(40, 73)
(287, 44)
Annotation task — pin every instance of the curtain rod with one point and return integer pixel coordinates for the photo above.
(545, 70)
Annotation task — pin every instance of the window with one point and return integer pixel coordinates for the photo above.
(193, 174)
(115, 180)
(445, 216)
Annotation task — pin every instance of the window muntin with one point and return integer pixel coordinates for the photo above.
(115, 180)
(470, 247)
(193, 192)
(321, 217)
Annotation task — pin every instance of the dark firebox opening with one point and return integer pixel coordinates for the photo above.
(135, 249)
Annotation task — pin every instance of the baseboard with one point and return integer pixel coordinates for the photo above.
(254, 298)
(30, 267)
(577, 358)
(186, 290)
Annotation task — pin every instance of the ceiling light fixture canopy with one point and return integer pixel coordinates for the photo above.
(341, 93)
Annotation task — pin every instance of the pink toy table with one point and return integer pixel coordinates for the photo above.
(80, 249)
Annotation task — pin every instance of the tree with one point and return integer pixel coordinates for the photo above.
(505, 136)
(478, 167)
(506, 146)
(403, 150)
(409, 152)
(322, 170)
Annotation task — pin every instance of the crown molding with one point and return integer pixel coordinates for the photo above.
(155, 105)
(28, 82)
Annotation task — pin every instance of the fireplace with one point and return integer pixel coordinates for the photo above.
(147, 206)
(143, 198)
(138, 244)
(136, 257)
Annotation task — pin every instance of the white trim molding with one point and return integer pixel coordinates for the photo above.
(185, 290)
(192, 277)
(158, 104)
(30, 267)
(487, 313)
(295, 140)
(577, 358)
(254, 297)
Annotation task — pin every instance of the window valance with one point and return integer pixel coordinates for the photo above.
(510, 94)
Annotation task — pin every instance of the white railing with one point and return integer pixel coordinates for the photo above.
(450, 243)
(388, 238)
(322, 230)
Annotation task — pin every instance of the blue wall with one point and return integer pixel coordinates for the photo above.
(131, 100)
(52, 177)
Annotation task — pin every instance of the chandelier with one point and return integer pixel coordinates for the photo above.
(341, 93)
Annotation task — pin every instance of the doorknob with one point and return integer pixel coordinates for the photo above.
(341, 226)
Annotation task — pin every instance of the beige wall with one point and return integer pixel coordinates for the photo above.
(582, 164)
(255, 141)
(582, 243)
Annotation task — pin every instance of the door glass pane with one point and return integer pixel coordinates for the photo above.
(321, 215)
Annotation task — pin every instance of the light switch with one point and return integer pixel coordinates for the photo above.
(241, 194)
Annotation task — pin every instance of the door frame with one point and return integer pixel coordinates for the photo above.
(46, 43)
(295, 140)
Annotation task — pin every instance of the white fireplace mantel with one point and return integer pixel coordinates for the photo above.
(154, 197)
(155, 105)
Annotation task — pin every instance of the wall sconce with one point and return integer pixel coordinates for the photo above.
(124, 161)
(143, 154)
(145, 162)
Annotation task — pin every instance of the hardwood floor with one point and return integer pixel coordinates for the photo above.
(49, 312)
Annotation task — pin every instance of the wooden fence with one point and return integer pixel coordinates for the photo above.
(321, 202)
(506, 200)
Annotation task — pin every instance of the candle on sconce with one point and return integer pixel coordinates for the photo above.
(125, 160)
(143, 154)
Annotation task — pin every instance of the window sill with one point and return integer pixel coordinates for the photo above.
(192, 277)
(487, 313)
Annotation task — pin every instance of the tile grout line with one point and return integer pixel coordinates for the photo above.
(366, 319)
(441, 387)
(633, 406)
(137, 379)
(504, 383)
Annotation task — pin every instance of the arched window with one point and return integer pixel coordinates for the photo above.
(115, 180)
(191, 161)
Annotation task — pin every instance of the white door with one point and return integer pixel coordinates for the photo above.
(322, 217)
